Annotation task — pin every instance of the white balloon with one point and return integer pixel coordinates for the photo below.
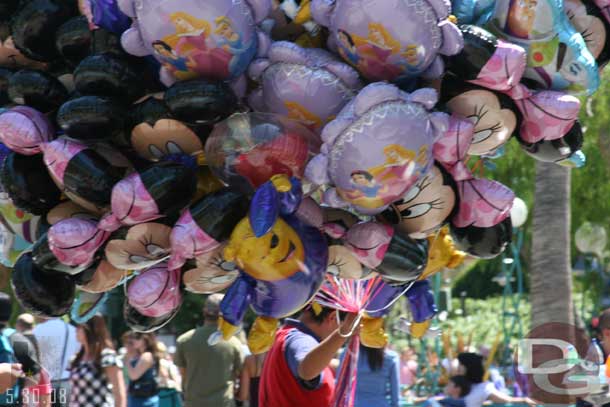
(591, 238)
(518, 213)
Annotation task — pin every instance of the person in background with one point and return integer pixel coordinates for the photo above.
(95, 371)
(18, 358)
(494, 373)
(57, 345)
(143, 369)
(250, 378)
(296, 371)
(377, 378)
(208, 372)
(408, 367)
(123, 351)
(471, 366)
(456, 389)
(25, 326)
(170, 382)
(9, 374)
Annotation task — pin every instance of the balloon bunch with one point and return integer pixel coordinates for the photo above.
(259, 148)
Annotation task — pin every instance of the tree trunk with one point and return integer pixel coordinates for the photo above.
(551, 274)
(551, 271)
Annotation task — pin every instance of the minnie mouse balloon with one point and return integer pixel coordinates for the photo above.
(379, 146)
(92, 118)
(27, 182)
(385, 40)
(37, 89)
(308, 85)
(40, 292)
(84, 176)
(155, 292)
(35, 23)
(213, 39)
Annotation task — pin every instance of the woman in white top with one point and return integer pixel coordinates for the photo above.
(471, 366)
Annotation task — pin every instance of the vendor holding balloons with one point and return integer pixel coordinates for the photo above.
(296, 371)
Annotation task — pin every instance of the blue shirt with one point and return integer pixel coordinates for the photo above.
(379, 388)
(299, 342)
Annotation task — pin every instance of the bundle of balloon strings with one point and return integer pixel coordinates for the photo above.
(352, 296)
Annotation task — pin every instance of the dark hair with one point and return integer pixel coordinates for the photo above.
(463, 384)
(604, 321)
(323, 314)
(163, 45)
(349, 37)
(150, 344)
(374, 356)
(473, 363)
(361, 172)
(97, 337)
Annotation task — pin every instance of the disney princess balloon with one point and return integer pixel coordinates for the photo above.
(214, 39)
(375, 38)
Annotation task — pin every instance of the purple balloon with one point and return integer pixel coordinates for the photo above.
(308, 85)
(378, 147)
(388, 39)
(215, 39)
(421, 301)
(106, 14)
(280, 298)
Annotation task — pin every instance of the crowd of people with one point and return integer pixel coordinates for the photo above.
(85, 368)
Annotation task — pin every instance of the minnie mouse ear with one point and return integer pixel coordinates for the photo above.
(92, 118)
(484, 243)
(28, 184)
(109, 75)
(41, 293)
(34, 26)
(200, 101)
(140, 323)
(5, 75)
(37, 89)
(73, 40)
(555, 150)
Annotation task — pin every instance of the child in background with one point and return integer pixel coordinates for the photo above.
(455, 391)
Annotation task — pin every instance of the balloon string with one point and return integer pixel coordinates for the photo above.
(355, 325)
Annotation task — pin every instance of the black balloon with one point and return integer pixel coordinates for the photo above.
(172, 186)
(45, 260)
(37, 89)
(479, 46)
(7, 9)
(73, 40)
(34, 26)
(5, 75)
(484, 243)
(109, 75)
(40, 292)
(90, 177)
(405, 259)
(92, 118)
(28, 184)
(555, 150)
(142, 323)
(200, 102)
(86, 276)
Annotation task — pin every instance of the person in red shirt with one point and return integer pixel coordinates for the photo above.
(296, 371)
